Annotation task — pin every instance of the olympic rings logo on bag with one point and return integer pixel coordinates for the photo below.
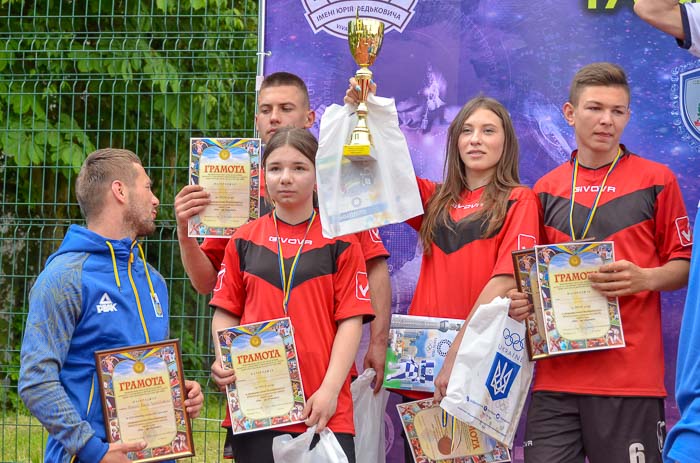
(513, 340)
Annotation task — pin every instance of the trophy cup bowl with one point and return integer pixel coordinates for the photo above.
(365, 39)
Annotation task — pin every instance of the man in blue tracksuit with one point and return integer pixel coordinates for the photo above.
(96, 292)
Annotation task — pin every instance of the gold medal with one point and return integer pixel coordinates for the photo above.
(255, 341)
(224, 154)
(138, 367)
(575, 261)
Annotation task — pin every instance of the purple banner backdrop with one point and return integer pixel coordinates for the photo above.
(437, 54)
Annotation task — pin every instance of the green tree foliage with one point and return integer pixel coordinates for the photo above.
(143, 75)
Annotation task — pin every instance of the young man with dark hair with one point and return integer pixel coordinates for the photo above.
(609, 405)
(97, 292)
(283, 101)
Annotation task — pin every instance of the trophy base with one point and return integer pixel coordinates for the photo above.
(358, 152)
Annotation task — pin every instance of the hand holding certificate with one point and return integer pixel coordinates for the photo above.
(569, 314)
(268, 391)
(228, 169)
(143, 393)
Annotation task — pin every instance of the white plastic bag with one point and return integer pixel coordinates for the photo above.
(359, 195)
(368, 410)
(492, 373)
(286, 449)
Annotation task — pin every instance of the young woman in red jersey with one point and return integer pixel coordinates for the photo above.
(473, 220)
(323, 301)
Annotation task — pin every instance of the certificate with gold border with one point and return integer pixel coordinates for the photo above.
(229, 170)
(268, 391)
(435, 436)
(143, 392)
(570, 316)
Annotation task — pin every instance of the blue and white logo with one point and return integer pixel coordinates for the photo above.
(106, 304)
(690, 101)
(513, 340)
(501, 377)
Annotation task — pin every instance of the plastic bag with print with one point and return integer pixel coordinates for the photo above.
(492, 373)
(360, 195)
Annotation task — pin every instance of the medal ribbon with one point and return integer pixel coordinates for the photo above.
(594, 208)
(444, 419)
(287, 281)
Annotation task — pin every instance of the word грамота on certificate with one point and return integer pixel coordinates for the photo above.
(569, 316)
(143, 393)
(229, 170)
(268, 391)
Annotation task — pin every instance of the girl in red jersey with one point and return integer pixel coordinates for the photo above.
(323, 300)
(473, 220)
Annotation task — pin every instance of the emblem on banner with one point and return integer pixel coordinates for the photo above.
(690, 101)
(333, 16)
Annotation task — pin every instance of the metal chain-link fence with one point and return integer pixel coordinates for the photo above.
(80, 75)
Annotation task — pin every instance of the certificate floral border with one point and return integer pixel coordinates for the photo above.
(197, 145)
(407, 413)
(169, 351)
(556, 343)
(240, 423)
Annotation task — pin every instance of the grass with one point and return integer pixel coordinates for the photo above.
(22, 438)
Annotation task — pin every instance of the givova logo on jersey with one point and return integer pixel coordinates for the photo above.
(362, 286)
(333, 16)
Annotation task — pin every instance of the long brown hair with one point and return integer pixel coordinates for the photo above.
(496, 193)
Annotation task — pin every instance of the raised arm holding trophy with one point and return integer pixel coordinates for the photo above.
(361, 195)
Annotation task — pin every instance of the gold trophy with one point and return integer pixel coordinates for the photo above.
(365, 39)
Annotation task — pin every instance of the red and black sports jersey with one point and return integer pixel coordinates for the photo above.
(462, 262)
(370, 242)
(330, 285)
(642, 212)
